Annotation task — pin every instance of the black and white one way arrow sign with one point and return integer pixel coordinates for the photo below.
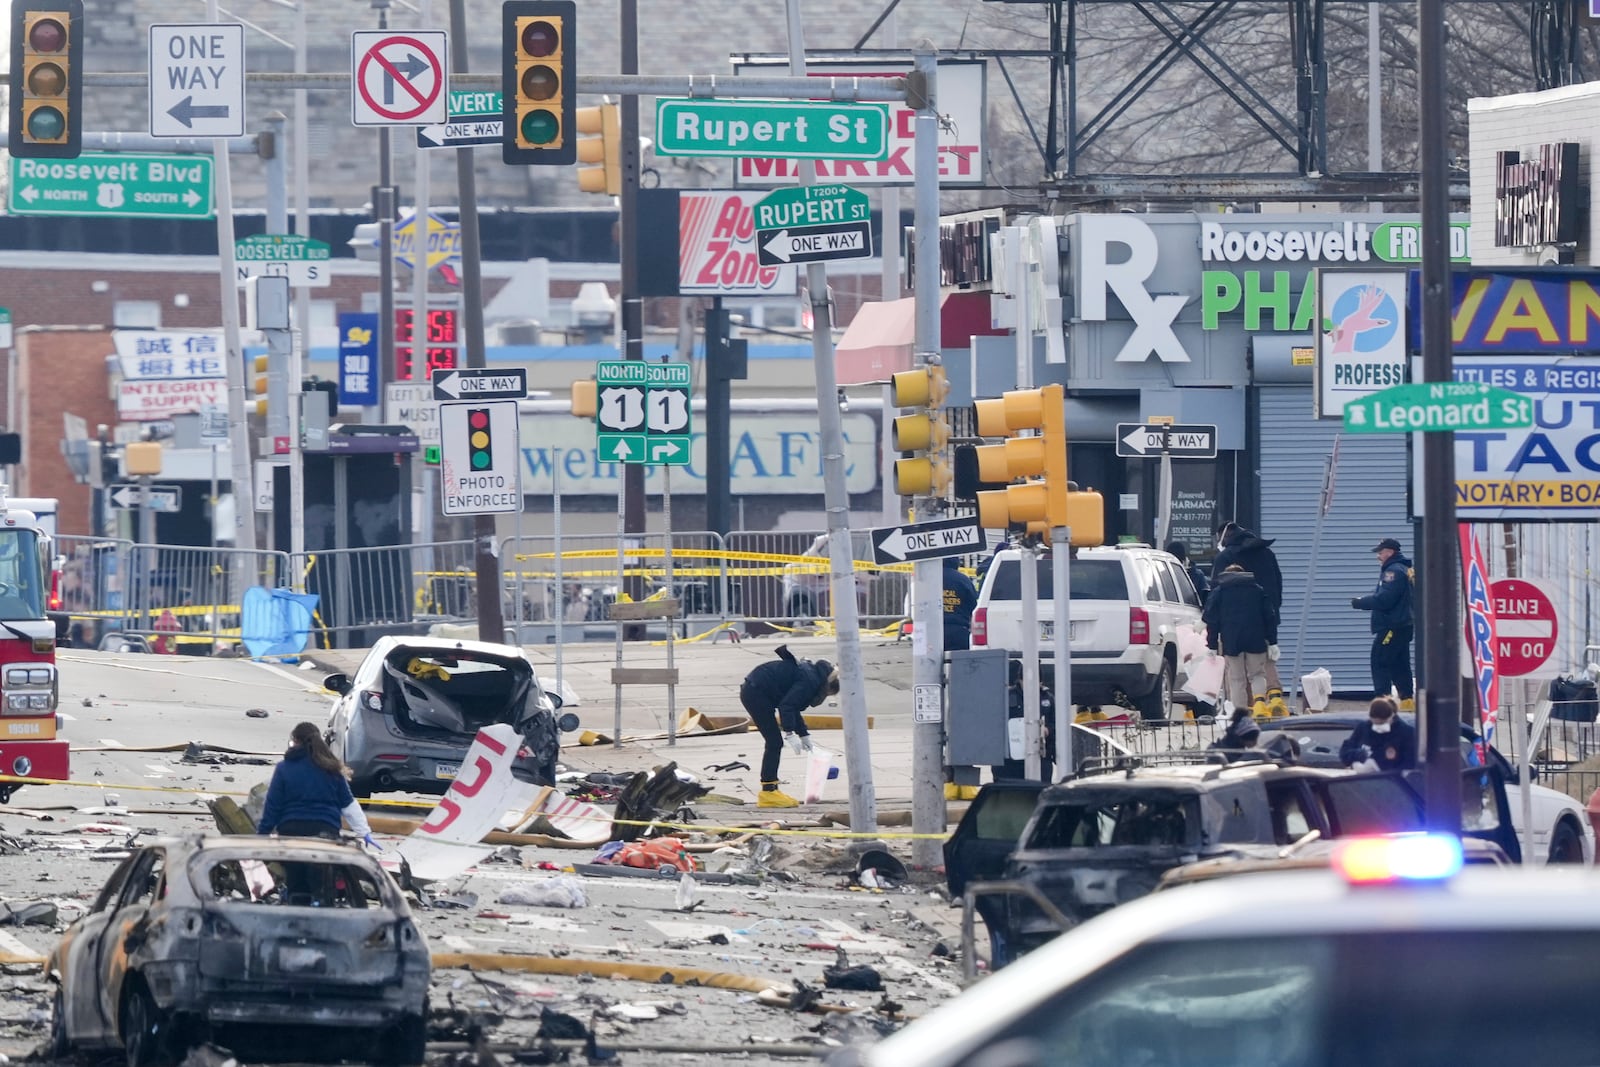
(1139, 440)
(814, 244)
(479, 384)
(927, 540)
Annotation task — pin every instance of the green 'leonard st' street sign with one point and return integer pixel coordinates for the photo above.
(643, 413)
(113, 185)
(1437, 406)
(784, 129)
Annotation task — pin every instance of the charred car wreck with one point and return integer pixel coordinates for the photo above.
(283, 948)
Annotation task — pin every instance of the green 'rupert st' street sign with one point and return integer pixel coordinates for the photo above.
(113, 185)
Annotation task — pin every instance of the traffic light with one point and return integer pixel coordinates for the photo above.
(923, 433)
(46, 120)
(606, 149)
(585, 398)
(539, 82)
(1047, 499)
(480, 440)
(259, 385)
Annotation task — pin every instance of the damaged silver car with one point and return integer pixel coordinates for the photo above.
(406, 718)
(276, 948)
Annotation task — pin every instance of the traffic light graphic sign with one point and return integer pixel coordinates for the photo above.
(479, 457)
(480, 438)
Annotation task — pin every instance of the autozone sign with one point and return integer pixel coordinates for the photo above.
(717, 247)
(961, 103)
(148, 399)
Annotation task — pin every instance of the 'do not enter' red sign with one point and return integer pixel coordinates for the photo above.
(1526, 626)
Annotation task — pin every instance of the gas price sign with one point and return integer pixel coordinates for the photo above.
(444, 344)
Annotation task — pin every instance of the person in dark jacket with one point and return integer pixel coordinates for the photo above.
(1238, 741)
(960, 597)
(1390, 604)
(776, 695)
(1242, 626)
(1237, 545)
(310, 793)
(1180, 551)
(1385, 742)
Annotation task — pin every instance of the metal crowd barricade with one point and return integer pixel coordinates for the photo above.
(579, 584)
(782, 577)
(184, 598)
(93, 585)
(368, 593)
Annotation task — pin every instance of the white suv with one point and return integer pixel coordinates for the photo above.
(1129, 605)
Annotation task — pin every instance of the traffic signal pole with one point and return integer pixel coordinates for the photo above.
(841, 558)
(632, 309)
(491, 619)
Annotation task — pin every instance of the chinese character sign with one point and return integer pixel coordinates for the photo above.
(171, 354)
(358, 358)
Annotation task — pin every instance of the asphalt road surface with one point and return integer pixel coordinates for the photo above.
(60, 842)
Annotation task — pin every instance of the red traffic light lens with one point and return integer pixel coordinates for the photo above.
(540, 127)
(47, 35)
(46, 124)
(47, 79)
(540, 39)
(540, 83)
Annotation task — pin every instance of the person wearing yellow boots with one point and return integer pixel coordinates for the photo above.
(776, 695)
(1248, 549)
(1243, 627)
(1392, 624)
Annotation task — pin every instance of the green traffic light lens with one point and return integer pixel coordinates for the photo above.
(480, 460)
(540, 83)
(540, 39)
(46, 124)
(540, 127)
(47, 35)
(47, 79)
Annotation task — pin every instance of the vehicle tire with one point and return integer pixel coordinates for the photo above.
(405, 1043)
(7, 792)
(146, 1037)
(1566, 844)
(361, 788)
(1156, 705)
(58, 1047)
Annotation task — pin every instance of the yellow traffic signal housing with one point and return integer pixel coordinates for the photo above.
(539, 82)
(585, 398)
(46, 81)
(1043, 501)
(604, 149)
(924, 431)
(259, 385)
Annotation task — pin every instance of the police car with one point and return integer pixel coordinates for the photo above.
(1396, 955)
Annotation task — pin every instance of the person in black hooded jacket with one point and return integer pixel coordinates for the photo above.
(1248, 549)
(776, 695)
(1241, 625)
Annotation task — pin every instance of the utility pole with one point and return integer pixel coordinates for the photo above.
(632, 310)
(491, 619)
(383, 208)
(841, 559)
(420, 239)
(1439, 578)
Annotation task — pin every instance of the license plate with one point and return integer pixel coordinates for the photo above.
(301, 960)
(446, 770)
(1047, 631)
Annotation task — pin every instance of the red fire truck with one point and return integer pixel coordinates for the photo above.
(29, 685)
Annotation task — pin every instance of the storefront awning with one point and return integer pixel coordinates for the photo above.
(881, 339)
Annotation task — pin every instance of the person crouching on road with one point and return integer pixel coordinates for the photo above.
(776, 695)
(310, 792)
(1242, 625)
(1385, 742)
(1238, 741)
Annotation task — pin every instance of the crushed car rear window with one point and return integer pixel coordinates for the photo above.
(293, 882)
(1160, 819)
(1092, 579)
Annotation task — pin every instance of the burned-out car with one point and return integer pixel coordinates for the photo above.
(405, 719)
(1090, 843)
(277, 948)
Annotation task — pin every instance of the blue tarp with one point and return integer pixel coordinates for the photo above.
(276, 622)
